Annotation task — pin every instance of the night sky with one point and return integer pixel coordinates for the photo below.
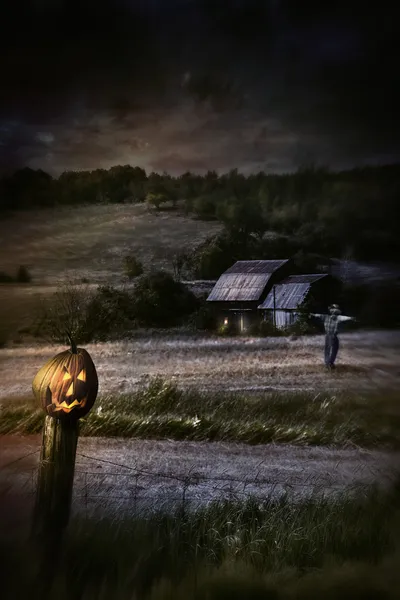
(180, 85)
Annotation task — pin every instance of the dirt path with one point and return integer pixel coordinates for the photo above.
(367, 360)
(122, 477)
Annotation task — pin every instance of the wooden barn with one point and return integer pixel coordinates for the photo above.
(283, 302)
(241, 288)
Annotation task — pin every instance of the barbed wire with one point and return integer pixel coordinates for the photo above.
(95, 488)
(20, 458)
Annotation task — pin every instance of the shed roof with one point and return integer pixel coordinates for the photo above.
(291, 293)
(255, 266)
(244, 281)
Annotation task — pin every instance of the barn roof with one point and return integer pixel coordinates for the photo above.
(291, 293)
(244, 281)
(255, 266)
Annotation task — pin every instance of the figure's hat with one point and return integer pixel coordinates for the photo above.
(335, 308)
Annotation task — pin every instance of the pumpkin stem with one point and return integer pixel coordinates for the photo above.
(74, 349)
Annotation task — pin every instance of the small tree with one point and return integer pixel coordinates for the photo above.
(179, 260)
(63, 318)
(76, 314)
(154, 200)
(132, 267)
(6, 278)
(160, 301)
(23, 275)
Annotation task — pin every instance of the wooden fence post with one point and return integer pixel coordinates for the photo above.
(66, 388)
(55, 478)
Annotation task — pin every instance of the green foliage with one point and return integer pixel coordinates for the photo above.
(160, 301)
(109, 314)
(132, 267)
(179, 263)
(340, 547)
(204, 207)
(78, 313)
(265, 328)
(228, 329)
(161, 410)
(322, 209)
(155, 200)
(23, 275)
(203, 319)
(6, 278)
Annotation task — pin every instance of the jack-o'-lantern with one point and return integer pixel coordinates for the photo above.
(66, 386)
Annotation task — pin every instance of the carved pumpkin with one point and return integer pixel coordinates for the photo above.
(66, 386)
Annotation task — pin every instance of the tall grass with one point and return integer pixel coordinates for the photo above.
(162, 410)
(256, 546)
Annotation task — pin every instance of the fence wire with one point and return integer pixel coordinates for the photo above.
(109, 489)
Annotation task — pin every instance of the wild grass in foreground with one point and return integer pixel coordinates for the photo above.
(319, 547)
(161, 410)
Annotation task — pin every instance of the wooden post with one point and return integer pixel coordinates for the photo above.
(56, 475)
(273, 291)
(66, 388)
(53, 498)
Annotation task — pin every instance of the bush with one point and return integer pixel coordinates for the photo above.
(109, 313)
(6, 278)
(203, 319)
(76, 312)
(160, 301)
(229, 329)
(264, 329)
(23, 275)
(132, 267)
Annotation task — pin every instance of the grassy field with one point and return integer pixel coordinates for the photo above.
(85, 243)
(163, 411)
(367, 361)
(170, 386)
(346, 548)
(91, 241)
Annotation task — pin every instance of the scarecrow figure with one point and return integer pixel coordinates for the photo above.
(331, 324)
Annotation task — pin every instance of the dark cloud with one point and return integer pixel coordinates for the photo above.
(197, 84)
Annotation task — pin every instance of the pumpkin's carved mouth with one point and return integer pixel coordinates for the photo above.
(68, 407)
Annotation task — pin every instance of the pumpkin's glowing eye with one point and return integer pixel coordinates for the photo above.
(82, 376)
(70, 390)
(66, 375)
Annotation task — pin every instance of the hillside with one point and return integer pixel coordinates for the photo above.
(91, 241)
(85, 243)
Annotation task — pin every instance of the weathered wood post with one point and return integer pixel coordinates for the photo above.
(55, 477)
(66, 388)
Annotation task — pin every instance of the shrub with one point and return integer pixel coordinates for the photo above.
(264, 329)
(132, 267)
(6, 278)
(203, 319)
(76, 312)
(109, 313)
(23, 275)
(229, 329)
(161, 301)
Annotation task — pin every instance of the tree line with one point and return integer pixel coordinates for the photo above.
(318, 210)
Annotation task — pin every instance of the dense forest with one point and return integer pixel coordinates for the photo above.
(332, 213)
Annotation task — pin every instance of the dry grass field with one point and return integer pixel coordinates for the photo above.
(85, 243)
(91, 241)
(367, 360)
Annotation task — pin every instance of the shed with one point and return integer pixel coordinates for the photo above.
(242, 287)
(286, 298)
